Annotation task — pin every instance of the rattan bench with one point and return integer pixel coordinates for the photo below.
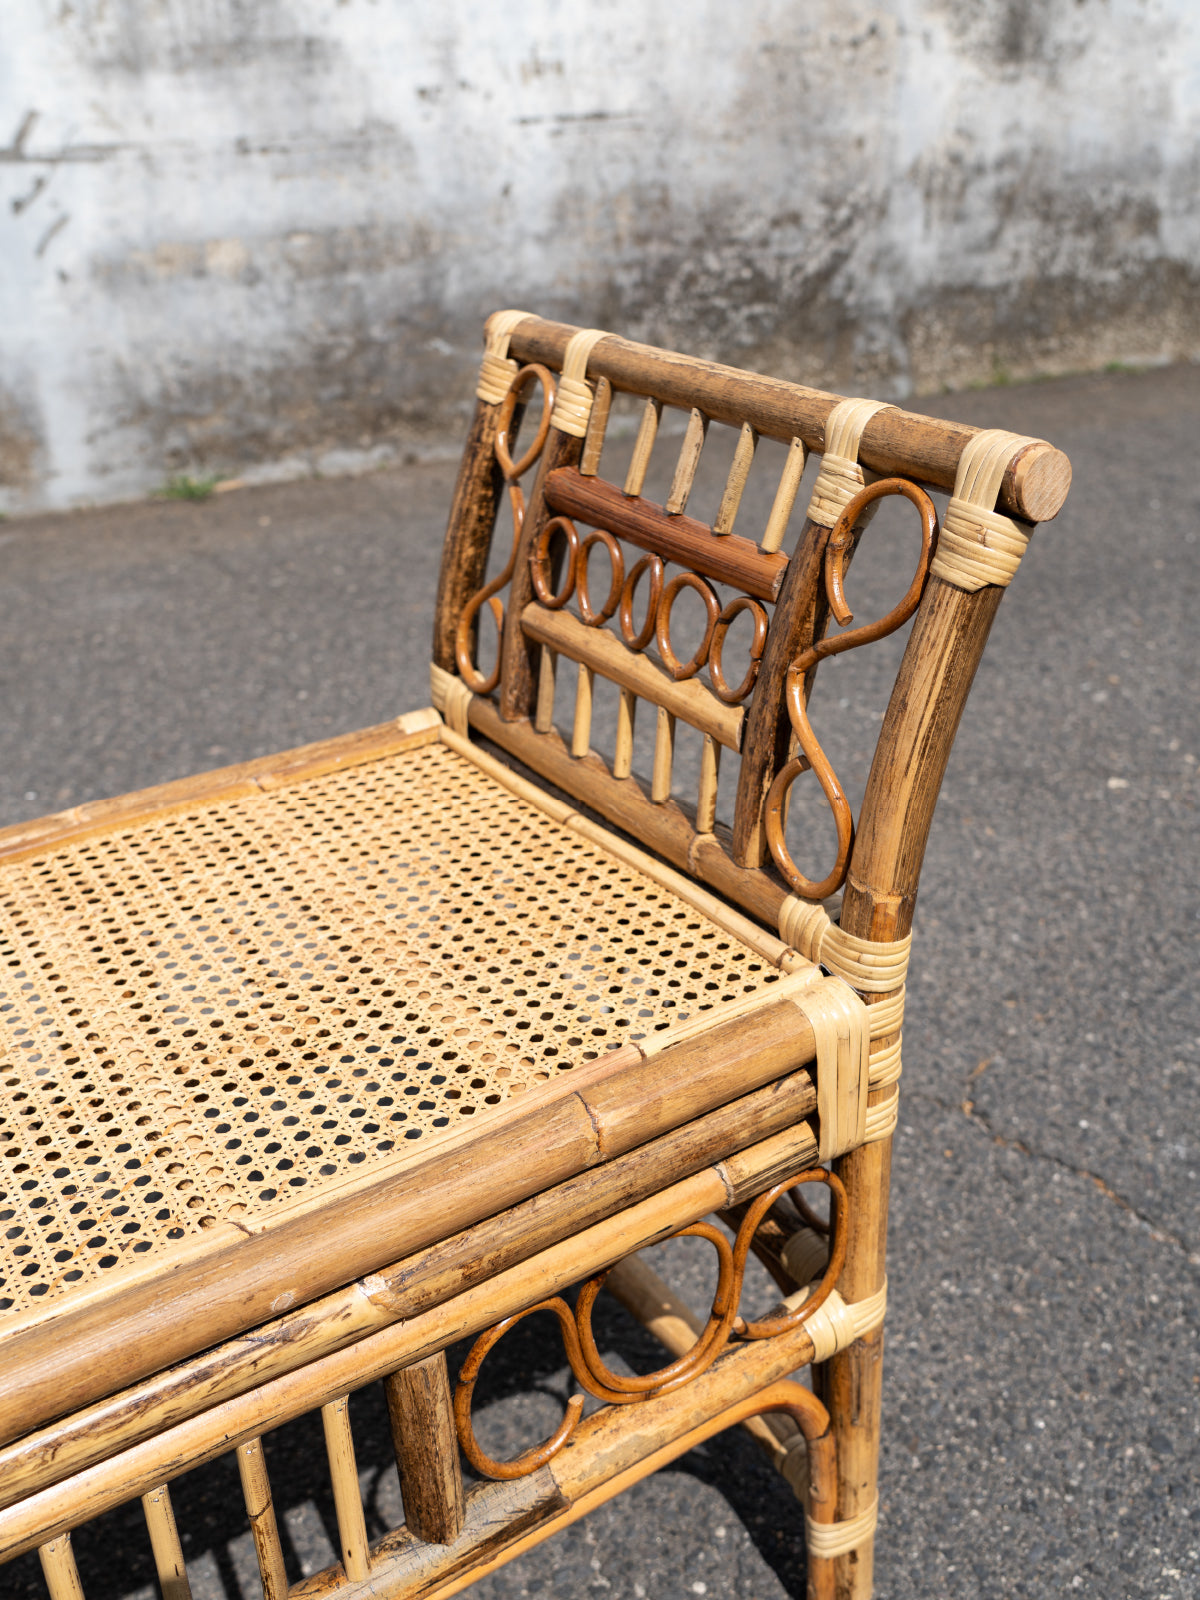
(318, 1064)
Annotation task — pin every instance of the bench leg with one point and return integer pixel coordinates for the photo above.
(850, 1384)
(426, 1445)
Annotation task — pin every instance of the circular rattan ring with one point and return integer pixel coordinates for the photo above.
(634, 639)
(516, 391)
(593, 619)
(539, 561)
(743, 602)
(680, 670)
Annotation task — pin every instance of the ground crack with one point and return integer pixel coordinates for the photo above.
(980, 1120)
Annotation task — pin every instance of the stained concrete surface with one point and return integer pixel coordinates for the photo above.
(1040, 1430)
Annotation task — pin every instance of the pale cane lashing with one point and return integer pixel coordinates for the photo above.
(213, 1016)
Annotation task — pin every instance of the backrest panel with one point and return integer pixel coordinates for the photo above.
(602, 577)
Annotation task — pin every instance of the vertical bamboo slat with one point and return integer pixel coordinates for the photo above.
(347, 1501)
(426, 1445)
(785, 497)
(593, 444)
(626, 717)
(59, 1569)
(689, 460)
(664, 757)
(642, 446)
(706, 796)
(735, 483)
(164, 1541)
(544, 718)
(581, 730)
(256, 1491)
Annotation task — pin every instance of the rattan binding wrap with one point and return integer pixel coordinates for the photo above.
(978, 545)
(573, 401)
(840, 477)
(828, 1539)
(868, 966)
(498, 369)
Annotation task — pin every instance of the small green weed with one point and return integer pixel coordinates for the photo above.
(184, 487)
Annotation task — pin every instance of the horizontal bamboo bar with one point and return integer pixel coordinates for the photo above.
(43, 1516)
(25, 839)
(407, 1288)
(726, 558)
(111, 1339)
(894, 441)
(605, 654)
(665, 829)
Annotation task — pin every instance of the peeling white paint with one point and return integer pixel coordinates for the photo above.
(251, 236)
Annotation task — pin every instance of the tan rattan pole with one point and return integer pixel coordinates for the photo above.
(893, 442)
(59, 1569)
(260, 1508)
(347, 1500)
(164, 1542)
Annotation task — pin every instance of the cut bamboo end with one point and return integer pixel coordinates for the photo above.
(785, 497)
(642, 447)
(735, 483)
(593, 444)
(689, 460)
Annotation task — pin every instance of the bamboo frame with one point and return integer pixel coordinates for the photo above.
(590, 1168)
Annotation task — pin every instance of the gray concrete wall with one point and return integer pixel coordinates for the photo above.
(257, 236)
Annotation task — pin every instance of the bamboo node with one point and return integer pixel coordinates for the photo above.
(828, 1539)
(451, 696)
(978, 545)
(573, 405)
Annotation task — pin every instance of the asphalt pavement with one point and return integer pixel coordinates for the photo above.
(1042, 1377)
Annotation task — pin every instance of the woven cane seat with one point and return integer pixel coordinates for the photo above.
(212, 1017)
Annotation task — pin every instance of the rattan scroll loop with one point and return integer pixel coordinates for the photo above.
(841, 477)
(590, 617)
(573, 406)
(530, 1460)
(978, 545)
(497, 369)
(539, 563)
(716, 650)
(842, 1031)
(639, 639)
(824, 1540)
(681, 670)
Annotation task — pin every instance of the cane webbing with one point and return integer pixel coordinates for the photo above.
(214, 1014)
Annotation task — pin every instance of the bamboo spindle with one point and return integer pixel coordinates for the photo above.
(785, 497)
(421, 1412)
(347, 1501)
(593, 444)
(164, 1542)
(581, 731)
(689, 460)
(59, 1569)
(642, 446)
(735, 483)
(706, 798)
(664, 757)
(544, 718)
(256, 1491)
(623, 751)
